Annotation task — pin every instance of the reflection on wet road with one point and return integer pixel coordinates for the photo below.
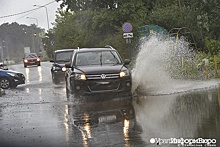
(190, 115)
(39, 114)
(103, 123)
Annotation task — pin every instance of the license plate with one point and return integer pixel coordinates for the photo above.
(102, 83)
(109, 118)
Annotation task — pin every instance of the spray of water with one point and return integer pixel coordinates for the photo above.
(157, 65)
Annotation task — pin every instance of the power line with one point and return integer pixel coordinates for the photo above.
(25, 11)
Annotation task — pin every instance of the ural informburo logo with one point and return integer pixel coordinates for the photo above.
(184, 142)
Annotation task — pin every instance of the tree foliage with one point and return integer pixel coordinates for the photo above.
(94, 23)
(100, 21)
(14, 37)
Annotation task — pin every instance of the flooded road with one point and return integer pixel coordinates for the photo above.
(191, 115)
(39, 114)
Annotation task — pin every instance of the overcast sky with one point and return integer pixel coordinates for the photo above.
(13, 7)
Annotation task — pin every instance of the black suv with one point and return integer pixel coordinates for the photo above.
(97, 70)
(58, 68)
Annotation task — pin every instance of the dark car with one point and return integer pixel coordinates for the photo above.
(10, 79)
(58, 68)
(97, 70)
(31, 59)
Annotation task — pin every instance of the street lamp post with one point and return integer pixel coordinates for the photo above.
(4, 46)
(33, 18)
(46, 14)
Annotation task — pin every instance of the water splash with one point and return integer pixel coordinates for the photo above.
(150, 70)
(158, 63)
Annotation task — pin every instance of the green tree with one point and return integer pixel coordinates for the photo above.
(96, 23)
(16, 37)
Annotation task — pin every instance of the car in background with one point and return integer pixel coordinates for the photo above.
(3, 66)
(31, 59)
(10, 79)
(61, 57)
(97, 70)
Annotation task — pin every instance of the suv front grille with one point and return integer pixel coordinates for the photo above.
(102, 76)
(103, 82)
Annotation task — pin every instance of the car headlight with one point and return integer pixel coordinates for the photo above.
(38, 59)
(80, 76)
(64, 69)
(124, 73)
(25, 61)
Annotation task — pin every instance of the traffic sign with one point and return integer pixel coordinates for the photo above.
(128, 35)
(127, 27)
(42, 35)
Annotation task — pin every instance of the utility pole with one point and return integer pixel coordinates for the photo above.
(46, 14)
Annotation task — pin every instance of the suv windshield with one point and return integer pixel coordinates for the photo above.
(63, 56)
(97, 58)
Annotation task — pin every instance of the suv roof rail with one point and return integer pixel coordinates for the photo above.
(109, 46)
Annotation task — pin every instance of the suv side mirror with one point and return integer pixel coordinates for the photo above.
(127, 61)
(67, 65)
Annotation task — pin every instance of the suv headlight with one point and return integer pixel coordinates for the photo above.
(80, 76)
(64, 69)
(124, 73)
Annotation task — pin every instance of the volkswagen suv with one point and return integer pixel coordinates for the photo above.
(97, 70)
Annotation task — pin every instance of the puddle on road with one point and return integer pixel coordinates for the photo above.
(190, 116)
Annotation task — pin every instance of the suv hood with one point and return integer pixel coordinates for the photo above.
(99, 69)
(59, 64)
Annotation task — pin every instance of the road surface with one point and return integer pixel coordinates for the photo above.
(39, 114)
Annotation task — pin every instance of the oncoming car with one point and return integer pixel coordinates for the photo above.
(31, 59)
(10, 79)
(97, 70)
(58, 68)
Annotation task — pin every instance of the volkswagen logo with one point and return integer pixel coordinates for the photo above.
(103, 76)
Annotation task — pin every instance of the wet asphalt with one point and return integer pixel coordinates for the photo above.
(39, 114)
